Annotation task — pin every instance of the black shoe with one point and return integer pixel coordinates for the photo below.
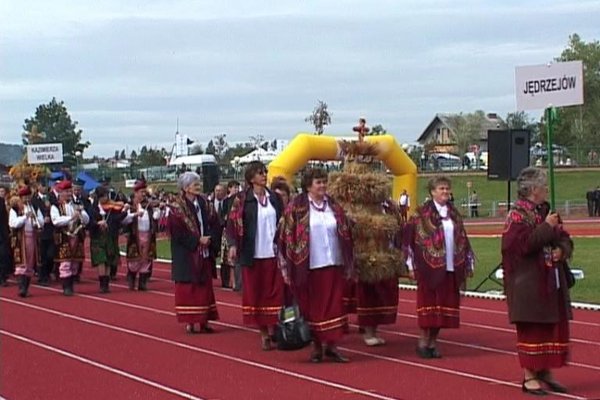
(43, 281)
(535, 392)
(67, 284)
(22, 285)
(335, 356)
(434, 352)
(207, 329)
(143, 282)
(551, 383)
(131, 280)
(316, 356)
(423, 352)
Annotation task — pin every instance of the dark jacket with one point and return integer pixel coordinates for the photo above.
(529, 274)
(188, 264)
(47, 232)
(242, 221)
(5, 253)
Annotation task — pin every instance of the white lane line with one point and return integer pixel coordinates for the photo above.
(205, 351)
(104, 367)
(186, 346)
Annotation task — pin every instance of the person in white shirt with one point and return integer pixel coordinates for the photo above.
(251, 230)
(24, 222)
(69, 221)
(316, 259)
(142, 225)
(439, 255)
(404, 204)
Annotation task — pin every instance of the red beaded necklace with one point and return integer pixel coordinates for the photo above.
(319, 208)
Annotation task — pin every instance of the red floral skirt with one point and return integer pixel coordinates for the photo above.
(323, 308)
(439, 307)
(377, 302)
(262, 295)
(195, 303)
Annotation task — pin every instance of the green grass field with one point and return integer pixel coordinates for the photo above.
(587, 257)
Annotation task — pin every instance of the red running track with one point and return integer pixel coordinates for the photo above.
(127, 345)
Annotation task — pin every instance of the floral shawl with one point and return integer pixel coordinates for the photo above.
(294, 238)
(424, 240)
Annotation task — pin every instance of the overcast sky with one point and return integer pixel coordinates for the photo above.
(128, 69)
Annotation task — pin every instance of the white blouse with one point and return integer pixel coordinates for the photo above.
(23, 221)
(266, 229)
(144, 220)
(324, 243)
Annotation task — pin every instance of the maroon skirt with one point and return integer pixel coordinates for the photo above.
(349, 296)
(377, 302)
(323, 308)
(195, 303)
(262, 296)
(439, 307)
(544, 346)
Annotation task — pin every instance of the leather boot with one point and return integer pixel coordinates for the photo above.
(142, 284)
(67, 284)
(22, 287)
(27, 283)
(131, 280)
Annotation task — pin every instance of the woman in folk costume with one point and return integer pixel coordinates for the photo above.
(69, 221)
(105, 217)
(192, 230)
(24, 221)
(251, 234)
(142, 225)
(439, 255)
(535, 249)
(315, 253)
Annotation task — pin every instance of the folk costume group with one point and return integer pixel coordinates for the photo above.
(301, 248)
(48, 229)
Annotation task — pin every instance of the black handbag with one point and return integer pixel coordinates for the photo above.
(292, 331)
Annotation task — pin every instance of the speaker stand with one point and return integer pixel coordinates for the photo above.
(491, 277)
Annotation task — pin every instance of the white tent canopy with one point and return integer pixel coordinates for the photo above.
(194, 160)
(259, 154)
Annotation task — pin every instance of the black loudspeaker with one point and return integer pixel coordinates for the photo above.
(210, 177)
(508, 154)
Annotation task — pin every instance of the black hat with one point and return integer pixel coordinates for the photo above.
(79, 182)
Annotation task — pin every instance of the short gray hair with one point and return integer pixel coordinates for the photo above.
(530, 178)
(186, 179)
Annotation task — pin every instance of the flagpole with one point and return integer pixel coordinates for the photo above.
(551, 117)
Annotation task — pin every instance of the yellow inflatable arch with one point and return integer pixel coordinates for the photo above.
(305, 147)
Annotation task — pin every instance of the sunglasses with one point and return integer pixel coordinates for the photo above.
(262, 172)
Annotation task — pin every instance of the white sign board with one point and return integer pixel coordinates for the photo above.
(541, 86)
(129, 183)
(46, 153)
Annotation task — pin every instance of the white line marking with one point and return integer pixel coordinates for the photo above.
(102, 366)
(205, 351)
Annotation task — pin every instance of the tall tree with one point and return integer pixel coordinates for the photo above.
(467, 129)
(221, 145)
(210, 148)
(123, 156)
(133, 156)
(320, 117)
(257, 140)
(579, 126)
(55, 124)
(522, 120)
(377, 130)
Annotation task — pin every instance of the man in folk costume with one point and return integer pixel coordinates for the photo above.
(41, 201)
(69, 221)
(24, 222)
(142, 225)
(105, 216)
(80, 200)
(192, 229)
